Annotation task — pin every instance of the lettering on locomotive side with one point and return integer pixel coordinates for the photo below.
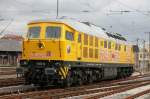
(40, 55)
(109, 56)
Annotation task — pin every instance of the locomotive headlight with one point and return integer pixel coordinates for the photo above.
(23, 63)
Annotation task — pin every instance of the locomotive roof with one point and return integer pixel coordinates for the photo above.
(86, 27)
(79, 26)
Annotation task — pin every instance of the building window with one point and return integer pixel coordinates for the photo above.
(69, 36)
(140, 55)
(144, 56)
(105, 44)
(34, 32)
(53, 32)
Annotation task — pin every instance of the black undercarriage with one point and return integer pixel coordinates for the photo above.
(45, 73)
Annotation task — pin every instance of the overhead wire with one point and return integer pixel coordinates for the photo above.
(6, 27)
(134, 10)
(137, 10)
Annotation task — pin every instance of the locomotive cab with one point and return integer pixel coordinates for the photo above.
(49, 41)
(43, 41)
(45, 48)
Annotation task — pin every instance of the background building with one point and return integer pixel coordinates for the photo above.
(10, 50)
(144, 60)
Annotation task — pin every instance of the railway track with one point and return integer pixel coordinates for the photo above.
(105, 88)
(16, 81)
(7, 71)
(11, 82)
(8, 77)
(4, 68)
(119, 89)
(138, 94)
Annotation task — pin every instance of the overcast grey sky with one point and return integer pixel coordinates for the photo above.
(104, 13)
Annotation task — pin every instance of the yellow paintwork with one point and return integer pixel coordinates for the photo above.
(52, 51)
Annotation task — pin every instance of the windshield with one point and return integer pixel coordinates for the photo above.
(34, 32)
(53, 32)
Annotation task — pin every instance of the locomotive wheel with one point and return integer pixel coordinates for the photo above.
(67, 83)
(45, 81)
(80, 82)
(27, 76)
(68, 80)
(90, 79)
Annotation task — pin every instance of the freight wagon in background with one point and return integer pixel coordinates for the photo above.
(67, 52)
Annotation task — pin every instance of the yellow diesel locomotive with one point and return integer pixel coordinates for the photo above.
(67, 52)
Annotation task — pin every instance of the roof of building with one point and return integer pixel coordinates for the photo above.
(10, 45)
(84, 27)
(12, 37)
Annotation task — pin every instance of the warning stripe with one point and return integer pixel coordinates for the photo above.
(59, 72)
(63, 72)
(66, 70)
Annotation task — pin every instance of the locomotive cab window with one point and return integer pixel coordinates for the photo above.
(34, 32)
(53, 32)
(69, 36)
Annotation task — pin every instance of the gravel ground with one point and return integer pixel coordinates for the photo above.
(16, 88)
(122, 95)
(146, 96)
(5, 68)
(135, 74)
(8, 76)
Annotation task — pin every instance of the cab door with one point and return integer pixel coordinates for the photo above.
(79, 46)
